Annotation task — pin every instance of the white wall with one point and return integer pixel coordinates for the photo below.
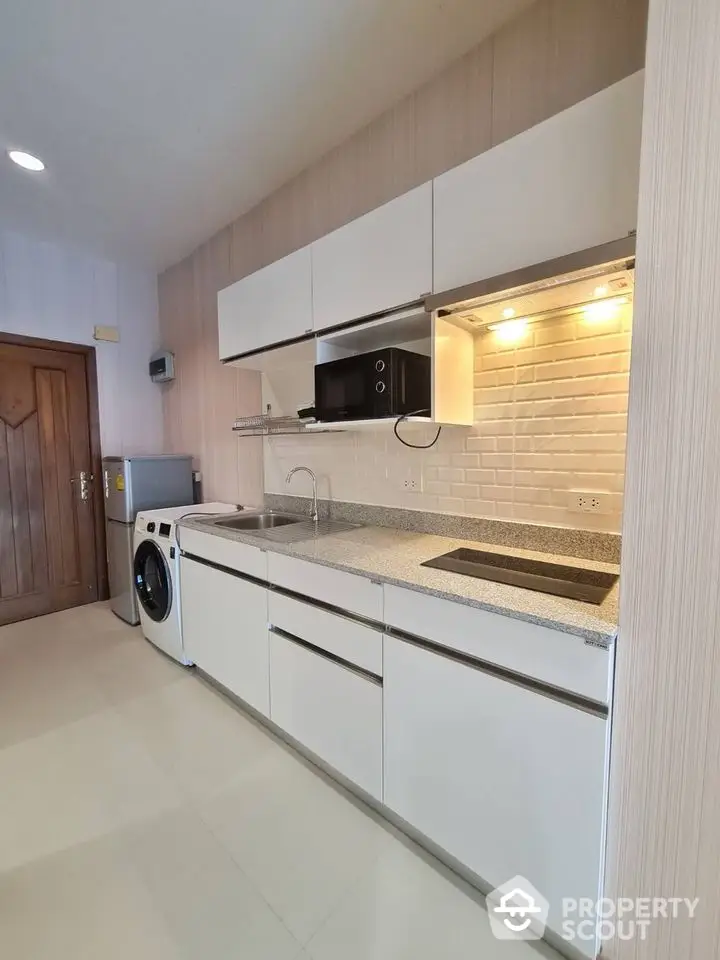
(59, 293)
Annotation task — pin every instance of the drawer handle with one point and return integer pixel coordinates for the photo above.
(326, 655)
(541, 687)
(328, 607)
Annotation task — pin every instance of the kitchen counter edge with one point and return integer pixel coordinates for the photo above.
(597, 630)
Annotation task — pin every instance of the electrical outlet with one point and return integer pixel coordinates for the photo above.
(410, 481)
(589, 502)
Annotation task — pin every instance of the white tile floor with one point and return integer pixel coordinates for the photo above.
(142, 815)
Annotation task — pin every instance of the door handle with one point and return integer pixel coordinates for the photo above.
(85, 479)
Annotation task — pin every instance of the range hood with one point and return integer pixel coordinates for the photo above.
(598, 274)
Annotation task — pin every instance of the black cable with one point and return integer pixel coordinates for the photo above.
(415, 446)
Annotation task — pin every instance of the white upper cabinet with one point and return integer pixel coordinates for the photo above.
(267, 307)
(375, 263)
(568, 183)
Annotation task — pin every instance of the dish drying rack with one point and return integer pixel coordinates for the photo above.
(268, 425)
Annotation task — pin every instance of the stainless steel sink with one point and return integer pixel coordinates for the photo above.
(258, 521)
(292, 527)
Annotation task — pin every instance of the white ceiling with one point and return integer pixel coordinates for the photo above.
(160, 121)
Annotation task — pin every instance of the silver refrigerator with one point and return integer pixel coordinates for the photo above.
(132, 484)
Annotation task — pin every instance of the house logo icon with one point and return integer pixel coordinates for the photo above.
(517, 911)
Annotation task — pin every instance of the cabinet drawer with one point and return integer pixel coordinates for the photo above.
(560, 659)
(341, 636)
(334, 712)
(345, 590)
(228, 553)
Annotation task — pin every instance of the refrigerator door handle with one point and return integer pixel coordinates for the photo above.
(106, 483)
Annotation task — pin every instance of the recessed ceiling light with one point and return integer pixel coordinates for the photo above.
(601, 291)
(26, 160)
(508, 312)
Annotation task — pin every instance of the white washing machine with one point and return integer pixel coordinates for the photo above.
(156, 568)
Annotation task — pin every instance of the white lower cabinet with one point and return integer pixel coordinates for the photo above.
(330, 708)
(505, 779)
(342, 636)
(224, 620)
(508, 779)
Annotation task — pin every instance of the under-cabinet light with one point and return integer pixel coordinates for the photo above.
(509, 331)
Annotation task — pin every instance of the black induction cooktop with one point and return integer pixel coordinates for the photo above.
(575, 583)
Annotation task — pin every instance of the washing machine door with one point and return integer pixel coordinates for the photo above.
(153, 581)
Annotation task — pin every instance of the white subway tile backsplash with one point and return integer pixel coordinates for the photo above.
(480, 476)
(451, 505)
(480, 508)
(468, 491)
(531, 495)
(451, 474)
(559, 332)
(598, 482)
(483, 444)
(495, 428)
(437, 487)
(550, 417)
(491, 460)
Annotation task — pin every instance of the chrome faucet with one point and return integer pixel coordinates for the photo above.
(314, 480)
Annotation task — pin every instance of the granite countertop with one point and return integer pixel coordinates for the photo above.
(394, 556)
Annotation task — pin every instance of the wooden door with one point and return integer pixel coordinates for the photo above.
(47, 531)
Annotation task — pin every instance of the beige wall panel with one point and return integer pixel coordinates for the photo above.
(593, 43)
(521, 73)
(665, 777)
(454, 114)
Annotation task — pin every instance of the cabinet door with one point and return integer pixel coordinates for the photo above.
(267, 307)
(503, 778)
(224, 622)
(374, 263)
(568, 183)
(330, 709)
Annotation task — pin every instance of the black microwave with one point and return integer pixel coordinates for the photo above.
(369, 386)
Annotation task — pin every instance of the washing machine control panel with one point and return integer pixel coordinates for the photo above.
(151, 527)
(164, 530)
